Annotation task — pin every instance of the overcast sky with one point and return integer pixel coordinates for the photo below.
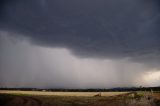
(79, 43)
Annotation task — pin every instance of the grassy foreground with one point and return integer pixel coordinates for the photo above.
(122, 99)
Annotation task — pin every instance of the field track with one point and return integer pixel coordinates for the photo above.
(23, 101)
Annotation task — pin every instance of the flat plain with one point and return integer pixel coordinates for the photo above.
(44, 98)
(61, 93)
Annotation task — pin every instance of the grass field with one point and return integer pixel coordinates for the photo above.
(37, 98)
(61, 93)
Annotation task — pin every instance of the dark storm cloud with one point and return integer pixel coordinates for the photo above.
(107, 28)
(36, 37)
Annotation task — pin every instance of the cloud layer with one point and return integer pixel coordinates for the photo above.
(58, 43)
(105, 28)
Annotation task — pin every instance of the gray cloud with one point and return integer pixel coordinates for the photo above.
(125, 32)
(106, 28)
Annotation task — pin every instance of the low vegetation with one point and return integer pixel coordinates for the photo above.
(81, 99)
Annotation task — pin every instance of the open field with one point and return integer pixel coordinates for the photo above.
(36, 98)
(61, 93)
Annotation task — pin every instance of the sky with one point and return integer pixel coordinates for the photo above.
(79, 43)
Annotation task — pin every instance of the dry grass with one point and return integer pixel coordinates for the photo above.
(61, 93)
(36, 98)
